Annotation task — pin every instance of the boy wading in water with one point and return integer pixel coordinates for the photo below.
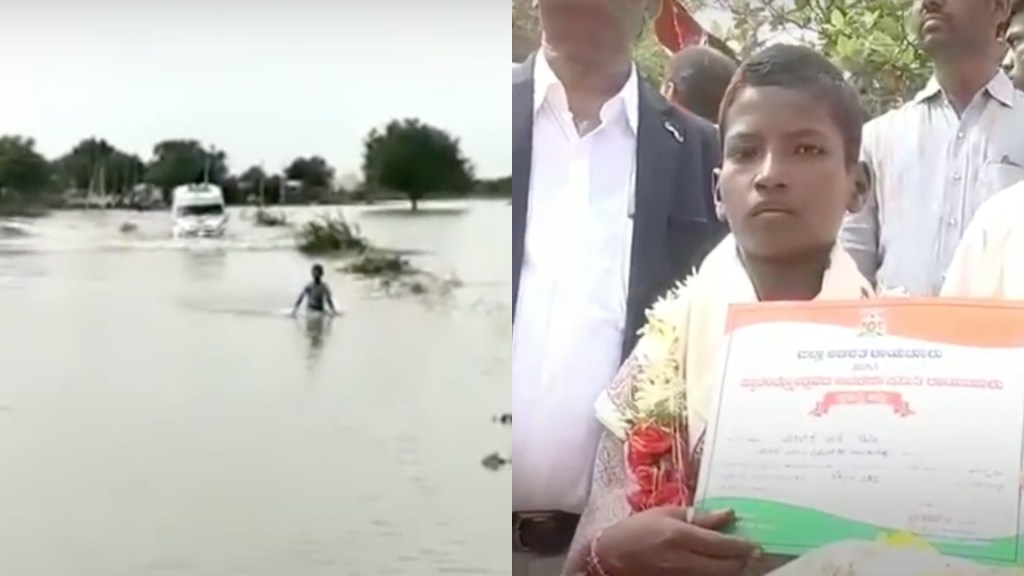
(316, 294)
(791, 130)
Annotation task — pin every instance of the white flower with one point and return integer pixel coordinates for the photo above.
(649, 398)
(658, 391)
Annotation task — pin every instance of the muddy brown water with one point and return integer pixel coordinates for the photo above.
(160, 416)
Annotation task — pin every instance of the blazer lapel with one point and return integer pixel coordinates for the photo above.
(655, 168)
(522, 152)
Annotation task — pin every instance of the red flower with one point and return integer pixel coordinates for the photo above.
(648, 444)
(654, 486)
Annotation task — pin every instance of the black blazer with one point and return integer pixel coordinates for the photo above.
(674, 223)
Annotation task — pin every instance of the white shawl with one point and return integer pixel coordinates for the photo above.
(701, 317)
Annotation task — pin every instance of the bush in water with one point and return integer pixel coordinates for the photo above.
(330, 234)
(495, 461)
(376, 263)
(269, 219)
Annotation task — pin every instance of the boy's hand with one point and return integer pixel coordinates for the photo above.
(661, 542)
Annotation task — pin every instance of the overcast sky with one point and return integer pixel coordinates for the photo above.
(264, 81)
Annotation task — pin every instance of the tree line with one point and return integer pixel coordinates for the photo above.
(869, 39)
(406, 157)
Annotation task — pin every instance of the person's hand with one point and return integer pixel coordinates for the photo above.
(660, 542)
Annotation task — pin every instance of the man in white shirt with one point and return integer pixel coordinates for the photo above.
(612, 204)
(937, 158)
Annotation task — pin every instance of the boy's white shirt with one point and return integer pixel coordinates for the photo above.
(989, 261)
(722, 280)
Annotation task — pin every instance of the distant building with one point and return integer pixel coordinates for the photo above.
(348, 182)
(146, 197)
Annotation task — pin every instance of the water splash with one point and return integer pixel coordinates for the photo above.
(14, 229)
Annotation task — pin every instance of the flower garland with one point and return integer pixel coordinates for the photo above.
(657, 445)
(659, 462)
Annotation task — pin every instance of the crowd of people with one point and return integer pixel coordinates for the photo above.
(620, 192)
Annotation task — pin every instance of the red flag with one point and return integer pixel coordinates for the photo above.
(676, 28)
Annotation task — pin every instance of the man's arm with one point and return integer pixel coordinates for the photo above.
(859, 234)
(302, 296)
(329, 299)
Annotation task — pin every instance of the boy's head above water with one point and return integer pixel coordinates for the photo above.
(791, 131)
(317, 272)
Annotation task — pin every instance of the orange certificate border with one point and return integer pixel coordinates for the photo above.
(975, 323)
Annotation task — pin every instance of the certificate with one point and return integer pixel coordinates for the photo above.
(862, 420)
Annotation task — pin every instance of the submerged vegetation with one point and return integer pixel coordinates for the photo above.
(334, 235)
(268, 218)
(495, 460)
(379, 263)
(331, 236)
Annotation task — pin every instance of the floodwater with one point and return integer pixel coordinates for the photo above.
(161, 416)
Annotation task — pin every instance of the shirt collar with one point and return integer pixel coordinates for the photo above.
(545, 82)
(1000, 87)
(842, 279)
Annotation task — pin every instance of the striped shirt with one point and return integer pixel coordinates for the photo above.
(931, 170)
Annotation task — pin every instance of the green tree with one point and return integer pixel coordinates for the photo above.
(869, 39)
(525, 30)
(415, 159)
(495, 186)
(77, 168)
(23, 170)
(252, 182)
(313, 172)
(650, 56)
(252, 176)
(80, 168)
(177, 162)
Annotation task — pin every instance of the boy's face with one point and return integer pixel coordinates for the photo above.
(784, 185)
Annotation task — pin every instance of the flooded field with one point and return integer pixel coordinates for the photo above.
(160, 415)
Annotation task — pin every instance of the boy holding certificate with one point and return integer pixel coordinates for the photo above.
(791, 129)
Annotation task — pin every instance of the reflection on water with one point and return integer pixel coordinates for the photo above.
(160, 415)
(205, 263)
(318, 328)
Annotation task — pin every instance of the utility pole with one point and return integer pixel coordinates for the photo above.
(263, 186)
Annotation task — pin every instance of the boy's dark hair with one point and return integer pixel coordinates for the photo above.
(804, 70)
(317, 269)
(701, 74)
(1016, 7)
